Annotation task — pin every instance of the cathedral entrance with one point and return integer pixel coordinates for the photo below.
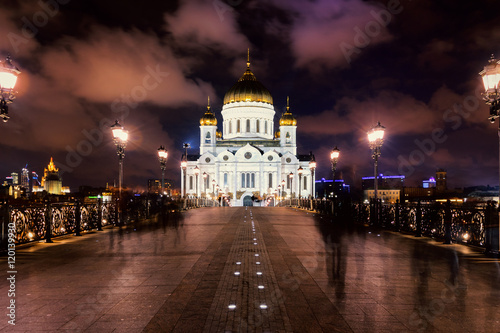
(247, 201)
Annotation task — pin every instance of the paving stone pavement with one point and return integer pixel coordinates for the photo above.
(251, 269)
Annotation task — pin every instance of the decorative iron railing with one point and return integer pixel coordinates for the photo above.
(452, 223)
(42, 221)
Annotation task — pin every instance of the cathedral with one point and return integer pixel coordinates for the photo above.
(248, 161)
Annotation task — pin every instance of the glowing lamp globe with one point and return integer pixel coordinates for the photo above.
(162, 153)
(376, 135)
(491, 76)
(8, 75)
(335, 153)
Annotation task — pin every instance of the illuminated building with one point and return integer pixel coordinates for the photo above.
(247, 159)
(25, 179)
(15, 178)
(51, 181)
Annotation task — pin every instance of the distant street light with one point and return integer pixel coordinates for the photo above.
(120, 137)
(375, 141)
(300, 171)
(8, 78)
(162, 157)
(312, 167)
(491, 81)
(213, 188)
(290, 175)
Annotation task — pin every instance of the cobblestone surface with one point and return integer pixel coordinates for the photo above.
(317, 276)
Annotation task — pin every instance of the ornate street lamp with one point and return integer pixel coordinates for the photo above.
(312, 167)
(213, 188)
(8, 78)
(162, 157)
(197, 173)
(375, 141)
(290, 175)
(120, 136)
(491, 81)
(279, 192)
(300, 171)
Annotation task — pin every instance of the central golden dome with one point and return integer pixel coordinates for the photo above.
(248, 89)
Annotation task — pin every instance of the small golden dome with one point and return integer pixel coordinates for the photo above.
(208, 118)
(277, 134)
(287, 119)
(218, 134)
(248, 89)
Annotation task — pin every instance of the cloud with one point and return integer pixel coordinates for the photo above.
(111, 63)
(401, 114)
(331, 34)
(207, 24)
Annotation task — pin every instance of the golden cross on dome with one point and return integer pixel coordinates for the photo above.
(208, 105)
(248, 58)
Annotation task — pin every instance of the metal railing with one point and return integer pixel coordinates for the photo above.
(451, 223)
(35, 221)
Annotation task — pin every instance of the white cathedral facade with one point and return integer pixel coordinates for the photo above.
(248, 160)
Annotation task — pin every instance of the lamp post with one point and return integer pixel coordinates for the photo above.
(300, 171)
(491, 81)
(290, 175)
(279, 192)
(197, 173)
(120, 136)
(162, 157)
(8, 78)
(213, 188)
(375, 141)
(312, 167)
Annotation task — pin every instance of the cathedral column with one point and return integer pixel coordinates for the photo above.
(235, 182)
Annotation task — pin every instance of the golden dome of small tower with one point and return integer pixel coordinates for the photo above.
(208, 131)
(287, 119)
(288, 130)
(208, 118)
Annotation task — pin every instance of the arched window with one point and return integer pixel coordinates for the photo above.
(258, 126)
(305, 182)
(265, 126)
(238, 127)
(190, 182)
(208, 138)
(288, 140)
(248, 180)
(230, 129)
(243, 180)
(270, 184)
(248, 125)
(253, 180)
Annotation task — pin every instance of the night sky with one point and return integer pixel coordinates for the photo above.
(412, 65)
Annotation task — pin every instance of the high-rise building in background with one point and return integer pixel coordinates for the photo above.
(25, 179)
(15, 178)
(52, 181)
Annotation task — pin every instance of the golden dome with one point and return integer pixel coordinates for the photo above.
(208, 118)
(218, 134)
(287, 119)
(277, 134)
(248, 89)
